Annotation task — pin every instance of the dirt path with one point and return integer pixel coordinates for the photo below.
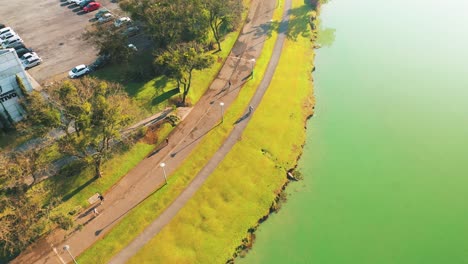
(147, 177)
(209, 168)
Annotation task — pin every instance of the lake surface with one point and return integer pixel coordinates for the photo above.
(386, 159)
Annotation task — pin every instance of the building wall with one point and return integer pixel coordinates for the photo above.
(10, 67)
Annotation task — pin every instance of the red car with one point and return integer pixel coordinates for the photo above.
(92, 6)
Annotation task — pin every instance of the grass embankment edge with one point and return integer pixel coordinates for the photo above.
(146, 212)
(241, 192)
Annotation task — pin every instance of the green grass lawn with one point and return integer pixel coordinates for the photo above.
(152, 96)
(244, 185)
(144, 214)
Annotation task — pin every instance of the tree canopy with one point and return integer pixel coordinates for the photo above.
(179, 61)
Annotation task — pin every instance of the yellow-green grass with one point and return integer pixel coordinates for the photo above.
(151, 95)
(244, 185)
(145, 213)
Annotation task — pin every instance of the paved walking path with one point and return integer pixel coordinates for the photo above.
(147, 177)
(168, 214)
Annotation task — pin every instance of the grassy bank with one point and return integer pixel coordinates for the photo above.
(241, 190)
(76, 189)
(144, 214)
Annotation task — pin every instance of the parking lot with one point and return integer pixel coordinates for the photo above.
(53, 29)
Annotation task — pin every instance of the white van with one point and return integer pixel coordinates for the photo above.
(4, 31)
(11, 42)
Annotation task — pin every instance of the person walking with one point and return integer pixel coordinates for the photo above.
(95, 211)
(250, 108)
(101, 198)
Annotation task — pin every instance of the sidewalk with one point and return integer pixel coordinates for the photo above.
(124, 255)
(147, 176)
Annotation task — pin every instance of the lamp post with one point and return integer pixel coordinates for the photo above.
(222, 111)
(162, 165)
(252, 62)
(67, 248)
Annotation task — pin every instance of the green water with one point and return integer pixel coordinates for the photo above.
(386, 159)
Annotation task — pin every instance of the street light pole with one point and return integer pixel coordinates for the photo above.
(252, 62)
(222, 111)
(162, 165)
(67, 248)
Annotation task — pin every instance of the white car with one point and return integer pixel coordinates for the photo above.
(28, 55)
(5, 37)
(31, 62)
(5, 31)
(11, 42)
(105, 18)
(76, 2)
(78, 71)
(120, 21)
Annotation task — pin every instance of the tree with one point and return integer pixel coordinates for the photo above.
(169, 22)
(178, 62)
(223, 14)
(20, 214)
(40, 113)
(93, 115)
(110, 41)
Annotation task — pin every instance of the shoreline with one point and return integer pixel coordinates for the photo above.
(292, 174)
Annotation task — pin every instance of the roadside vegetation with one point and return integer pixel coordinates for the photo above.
(91, 114)
(145, 213)
(245, 185)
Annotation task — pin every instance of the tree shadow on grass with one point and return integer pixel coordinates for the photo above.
(79, 189)
(164, 96)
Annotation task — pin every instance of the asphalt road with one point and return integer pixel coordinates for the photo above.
(53, 29)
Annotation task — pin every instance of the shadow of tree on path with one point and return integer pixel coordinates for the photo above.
(298, 24)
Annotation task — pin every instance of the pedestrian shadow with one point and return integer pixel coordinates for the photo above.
(156, 151)
(245, 116)
(173, 154)
(98, 232)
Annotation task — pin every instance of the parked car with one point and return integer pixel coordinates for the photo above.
(99, 62)
(105, 18)
(132, 47)
(92, 6)
(101, 12)
(22, 51)
(131, 31)
(85, 3)
(7, 36)
(5, 31)
(19, 46)
(28, 55)
(31, 62)
(76, 2)
(12, 41)
(78, 71)
(123, 20)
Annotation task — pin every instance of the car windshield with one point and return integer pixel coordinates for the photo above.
(75, 70)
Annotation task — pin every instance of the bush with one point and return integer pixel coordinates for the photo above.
(63, 221)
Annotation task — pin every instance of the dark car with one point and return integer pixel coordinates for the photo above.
(85, 3)
(17, 45)
(20, 46)
(22, 51)
(99, 62)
